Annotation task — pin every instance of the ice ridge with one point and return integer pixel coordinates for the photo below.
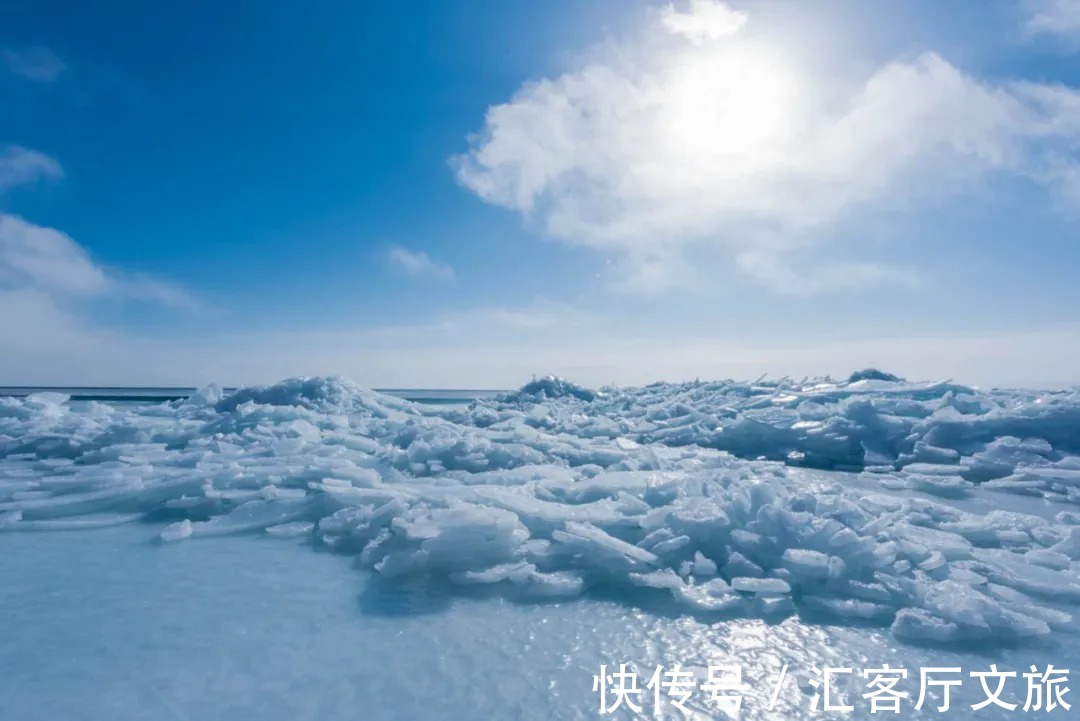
(938, 510)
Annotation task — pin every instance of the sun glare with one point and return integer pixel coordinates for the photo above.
(723, 103)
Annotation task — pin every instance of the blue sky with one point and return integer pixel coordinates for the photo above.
(463, 194)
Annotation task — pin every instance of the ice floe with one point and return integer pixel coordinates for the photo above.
(932, 508)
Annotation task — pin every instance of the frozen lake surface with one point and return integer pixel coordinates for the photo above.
(312, 550)
(105, 624)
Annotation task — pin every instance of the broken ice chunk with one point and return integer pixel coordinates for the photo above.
(806, 563)
(177, 531)
(295, 529)
(761, 586)
(703, 566)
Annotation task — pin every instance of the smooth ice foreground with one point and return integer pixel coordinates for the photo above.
(103, 627)
(946, 514)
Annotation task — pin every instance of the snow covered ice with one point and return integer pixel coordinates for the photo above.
(941, 515)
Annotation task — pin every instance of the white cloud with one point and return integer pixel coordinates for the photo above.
(537, 317)
(44, 274)
(1054, 17)
(704, 22)
(45, 258)
(139, 286)
(22, 166)
(35, 63)
(786, 278)
(698, 133)
(35, 258)
(417, 263)
(48, 260)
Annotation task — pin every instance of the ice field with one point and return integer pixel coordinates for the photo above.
(312, 549)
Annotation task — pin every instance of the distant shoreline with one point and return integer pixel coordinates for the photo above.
(164, 394)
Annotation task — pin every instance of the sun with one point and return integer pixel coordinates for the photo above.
(725, 103)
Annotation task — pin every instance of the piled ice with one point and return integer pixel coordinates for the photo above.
(872, 499)
(548, 387)
(945, 437)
